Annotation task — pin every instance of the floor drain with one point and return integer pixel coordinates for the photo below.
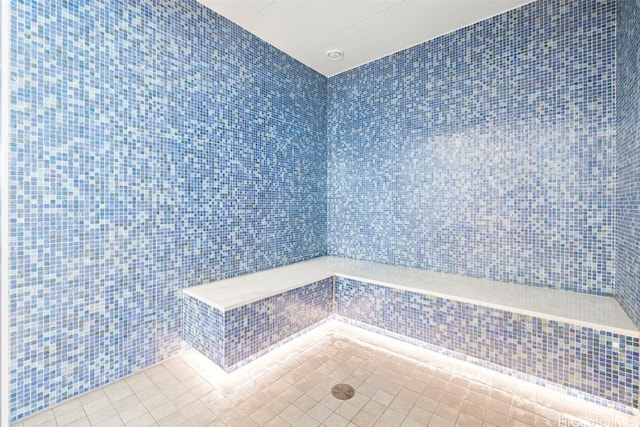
(343, 391)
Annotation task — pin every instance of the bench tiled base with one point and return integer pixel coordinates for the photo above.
(487, 365)
(596, 362)
(234, 337)
(203, 328)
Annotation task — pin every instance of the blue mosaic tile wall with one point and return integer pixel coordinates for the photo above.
(233, 338)
(597, 362)
(154, 146)
(628, 158)
(487, 152)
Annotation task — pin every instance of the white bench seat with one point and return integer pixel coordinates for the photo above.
(552, 337)
(552, 304)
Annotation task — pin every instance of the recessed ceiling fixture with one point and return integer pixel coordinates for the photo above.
(334, 54)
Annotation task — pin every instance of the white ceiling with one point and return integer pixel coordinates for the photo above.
(364, 30)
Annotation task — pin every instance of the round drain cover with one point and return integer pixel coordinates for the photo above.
(343, 391)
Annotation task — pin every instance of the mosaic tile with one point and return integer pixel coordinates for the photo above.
(256, 326)
(154, 146)
(203, 328)
(487, 152)
(235, 337)
(628, 158)
(597, 362)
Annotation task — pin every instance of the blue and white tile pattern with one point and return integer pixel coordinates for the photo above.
(487, 152)
(254, 327)
(628, 158)
(203, 329)
(154, 146)
(601, 364)
(597, 362)
(236, 336)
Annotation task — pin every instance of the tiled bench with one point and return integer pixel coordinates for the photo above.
(577, 341)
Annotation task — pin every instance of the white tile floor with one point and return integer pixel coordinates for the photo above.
(396, 385)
